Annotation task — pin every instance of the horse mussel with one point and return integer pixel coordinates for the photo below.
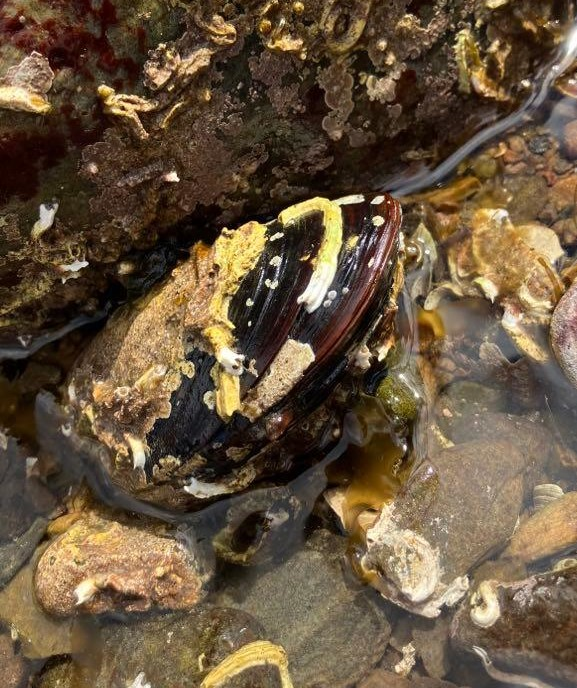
(235, 366)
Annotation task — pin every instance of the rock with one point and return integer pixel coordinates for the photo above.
(531, 635)
(529, 435)
(16, 553)
(431, 641)
(456, 508)
(176, 649)
(102, 565)
(40, 635)
(25, 504)
(570, 139)
(563, 333)
(562, 194)
(333, 631)
(379, 678)
(15, 670)
(213, 110)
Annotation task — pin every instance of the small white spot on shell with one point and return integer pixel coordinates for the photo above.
(327, 303)
(349, 200)
(249, 302)
(275, 261)
(278, 235)
(377, 200)
(66, 429)
(271, 284)
(332, 295)
(209, 399)
(371, 262)
(249, 323)
(346, 290)
(378, 220)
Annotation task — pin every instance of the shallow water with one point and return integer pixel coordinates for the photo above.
(305, 587)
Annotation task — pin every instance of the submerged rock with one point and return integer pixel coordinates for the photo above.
(25, 505)
(40, 635)
(333, 631)
(15, 670)
(531, 633)
(457, 507)
(100, 565)
(169, 650)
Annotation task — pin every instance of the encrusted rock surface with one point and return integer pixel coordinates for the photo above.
(102, 565)
(237, 109)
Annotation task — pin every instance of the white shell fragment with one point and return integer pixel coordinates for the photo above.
(202, 490)
(47, 214)
(138, 452)
(545, 494)
(485, 608)
(85, 591)
(140, 681)
(231, 361)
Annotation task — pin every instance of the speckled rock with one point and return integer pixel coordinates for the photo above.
(15, 670)
(101, 565)
(379, 678)
(169, 650)
(457, 506)
(333, 631)
(533, 635)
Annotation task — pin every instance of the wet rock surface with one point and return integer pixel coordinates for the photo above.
(101, 565)
(316, 612)
(534, 634)
(25, 505)
(238, 109)
(379, 678)
(170, 650)
(455, 509)
(40, 635)
(15, 671)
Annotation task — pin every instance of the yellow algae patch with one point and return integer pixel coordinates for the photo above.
(235, 254)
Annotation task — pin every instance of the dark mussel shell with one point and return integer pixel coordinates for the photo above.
(230, 368)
